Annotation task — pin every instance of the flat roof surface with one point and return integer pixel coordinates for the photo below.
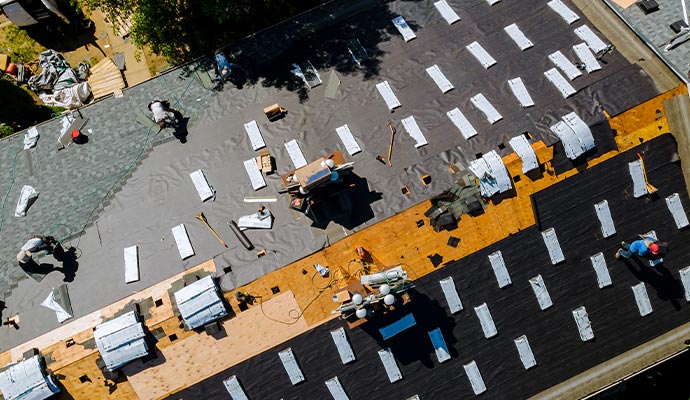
(156, 193)
(655, 29)
(552, 333)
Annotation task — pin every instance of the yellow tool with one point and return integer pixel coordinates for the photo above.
(650, 189)
(202, 218)
(390, 148)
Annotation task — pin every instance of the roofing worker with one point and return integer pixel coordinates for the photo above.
(35, 244)
(223, 66)
(163, 115)
(640, 248)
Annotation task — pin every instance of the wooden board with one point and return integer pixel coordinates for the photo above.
(105, 78)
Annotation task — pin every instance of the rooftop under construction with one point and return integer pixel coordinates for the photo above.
(451, 180)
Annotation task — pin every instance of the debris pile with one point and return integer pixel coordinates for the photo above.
(58, 84)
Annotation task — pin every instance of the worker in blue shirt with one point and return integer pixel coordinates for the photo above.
(223, 66)
(640, 248)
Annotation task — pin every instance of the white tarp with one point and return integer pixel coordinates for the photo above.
(70, 97)
(439, 78)
(27, 195)
(520, 92)
(567, 14)
(258, 220)
(345, 135)
(524, 150)
(30, 138)
(51, 303)
(585, 55)
(562, 62)
(252, 129)
(462, 123)
(254, 173)
(295, 154)
(560, 82)
(492, 115)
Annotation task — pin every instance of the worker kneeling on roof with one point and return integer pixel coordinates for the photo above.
(163, 115)
(640, 248)
(35, 244)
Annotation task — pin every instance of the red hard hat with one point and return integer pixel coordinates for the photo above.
(75, 134)
(654, 248)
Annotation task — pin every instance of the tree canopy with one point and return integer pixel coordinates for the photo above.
(182, 29)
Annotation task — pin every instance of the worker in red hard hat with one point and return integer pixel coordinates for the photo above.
(640, 248)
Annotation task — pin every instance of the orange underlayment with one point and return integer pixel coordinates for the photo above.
(397, 240)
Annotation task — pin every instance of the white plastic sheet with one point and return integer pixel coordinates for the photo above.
(52, 304)
(30, 138)
(70, 97)
(27, 195)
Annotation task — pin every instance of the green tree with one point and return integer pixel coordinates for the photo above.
(21, 111)
(182, 29)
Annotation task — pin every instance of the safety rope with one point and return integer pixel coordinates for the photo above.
(130, 166)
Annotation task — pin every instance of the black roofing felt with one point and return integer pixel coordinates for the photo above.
(569, 208)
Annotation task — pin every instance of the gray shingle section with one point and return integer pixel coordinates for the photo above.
(655, 29)
(73, 181)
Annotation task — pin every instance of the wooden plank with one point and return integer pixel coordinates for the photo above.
(105, 78)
